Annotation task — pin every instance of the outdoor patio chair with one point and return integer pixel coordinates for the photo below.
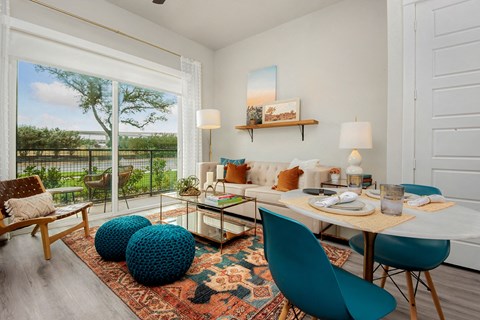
(31, 186)
(103, 182)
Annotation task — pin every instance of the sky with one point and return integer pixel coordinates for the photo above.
(43, 101)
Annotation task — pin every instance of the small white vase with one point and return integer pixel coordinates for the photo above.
(334, 177)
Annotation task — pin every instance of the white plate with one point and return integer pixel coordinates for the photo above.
(376, 195)
(365, 208)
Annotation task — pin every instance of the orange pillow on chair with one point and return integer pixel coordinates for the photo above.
(288, 179)
(236, 174)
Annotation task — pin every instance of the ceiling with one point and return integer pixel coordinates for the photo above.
(219, 23)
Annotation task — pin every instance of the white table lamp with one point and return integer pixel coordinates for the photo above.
(208, 119)
(355, 135)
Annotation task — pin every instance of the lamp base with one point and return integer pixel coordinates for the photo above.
(354, 170)
(354, 161)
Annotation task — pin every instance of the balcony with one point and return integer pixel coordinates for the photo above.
(154, 171)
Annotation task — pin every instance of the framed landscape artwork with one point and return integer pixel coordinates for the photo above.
(281, 111)
(261, 89)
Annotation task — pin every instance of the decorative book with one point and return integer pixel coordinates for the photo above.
(223, 199)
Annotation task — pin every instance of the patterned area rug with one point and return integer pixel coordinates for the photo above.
(234, 285)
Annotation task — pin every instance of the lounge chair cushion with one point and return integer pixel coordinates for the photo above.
(39, 205)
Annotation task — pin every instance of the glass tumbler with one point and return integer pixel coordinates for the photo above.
(391, 199)
(355, 183)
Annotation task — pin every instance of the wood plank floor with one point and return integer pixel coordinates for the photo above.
(65, 288)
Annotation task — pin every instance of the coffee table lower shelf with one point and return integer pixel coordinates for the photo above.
(207, 225)
(210, 221)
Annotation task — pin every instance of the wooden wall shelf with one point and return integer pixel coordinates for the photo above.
(301, 124)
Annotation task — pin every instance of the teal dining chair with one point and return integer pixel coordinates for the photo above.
(307, 279)
(401, 254)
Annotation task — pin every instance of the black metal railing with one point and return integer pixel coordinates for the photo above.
(154, 170)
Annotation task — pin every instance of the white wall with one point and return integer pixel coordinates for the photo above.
(335, 60)
(395, 92)
(114, 17)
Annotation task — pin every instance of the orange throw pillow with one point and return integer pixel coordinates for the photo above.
(236, 174)
(288, 179)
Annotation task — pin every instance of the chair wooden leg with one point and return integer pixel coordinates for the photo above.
(105, 202)
(286, 307)
(435, 298)
(411, 296)
(384, 276)
(125, 197)
(86, 227)
(35, 230)
(45, 241)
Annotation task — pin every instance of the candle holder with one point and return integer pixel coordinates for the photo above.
(223, 184)
(208, 188)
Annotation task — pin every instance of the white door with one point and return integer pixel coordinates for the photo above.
(447, 125)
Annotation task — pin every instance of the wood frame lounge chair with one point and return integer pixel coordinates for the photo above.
(30, 186)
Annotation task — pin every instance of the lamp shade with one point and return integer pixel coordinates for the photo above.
(208, 119)
(355, 135)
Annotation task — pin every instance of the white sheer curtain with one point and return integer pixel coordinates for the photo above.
(191, 142)
(4, 109)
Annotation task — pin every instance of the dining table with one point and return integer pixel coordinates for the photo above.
(456, 222)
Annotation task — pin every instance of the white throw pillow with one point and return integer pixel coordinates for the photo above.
(39, 205)
(304, 164)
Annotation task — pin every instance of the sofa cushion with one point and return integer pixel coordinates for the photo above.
(265, 173)
(235, 188)
(264, 194)
(236, 174)
(288, 179)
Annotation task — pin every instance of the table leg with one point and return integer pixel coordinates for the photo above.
(368, 254)
(255, 219)
(221, 231)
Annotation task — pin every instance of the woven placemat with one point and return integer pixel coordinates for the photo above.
(431, 207)
(374, 222)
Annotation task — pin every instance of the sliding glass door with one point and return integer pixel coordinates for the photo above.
(147, 145)
(68, 124)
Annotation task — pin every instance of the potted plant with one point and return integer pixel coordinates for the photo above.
(335, 174)
(187, 186)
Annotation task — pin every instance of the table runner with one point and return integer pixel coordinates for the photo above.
(375, 222)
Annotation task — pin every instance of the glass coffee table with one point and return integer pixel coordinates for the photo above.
(208, 220)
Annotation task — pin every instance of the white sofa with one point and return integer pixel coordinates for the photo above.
(261, 177)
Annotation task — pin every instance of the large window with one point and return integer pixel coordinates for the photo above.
(65, 128)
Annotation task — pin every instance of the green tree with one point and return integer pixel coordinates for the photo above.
(31, 137)
(95, 95)
(158, 141)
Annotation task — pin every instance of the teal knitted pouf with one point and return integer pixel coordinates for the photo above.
(160, 254)
(112, 237)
